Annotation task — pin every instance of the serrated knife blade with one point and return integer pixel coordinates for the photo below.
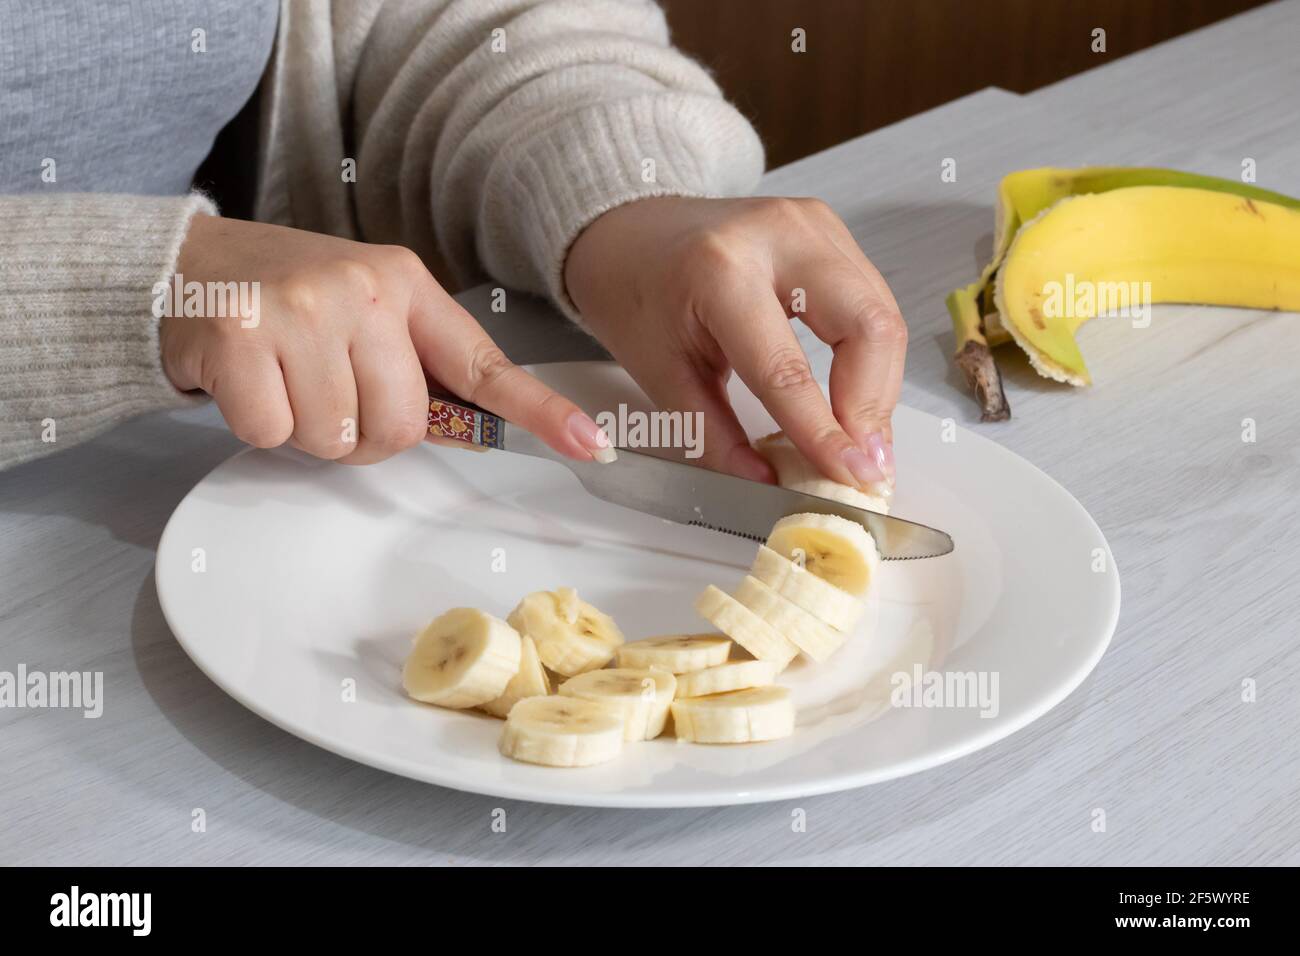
(680, 492)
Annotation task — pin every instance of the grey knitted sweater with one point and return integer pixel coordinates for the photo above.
(490, 131)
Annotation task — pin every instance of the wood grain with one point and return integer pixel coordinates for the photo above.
(1203, 528)
(869, 63)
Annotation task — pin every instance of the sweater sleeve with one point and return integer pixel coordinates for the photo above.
(78, 336)
(489, 133)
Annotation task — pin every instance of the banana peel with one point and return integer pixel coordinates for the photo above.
(975, 356)
(1136, 247)
(1158, 203)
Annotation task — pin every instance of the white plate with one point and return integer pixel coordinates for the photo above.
(314, 577)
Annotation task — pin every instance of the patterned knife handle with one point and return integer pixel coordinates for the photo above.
(456, 420)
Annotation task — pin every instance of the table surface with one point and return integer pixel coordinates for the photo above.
(1202, 526)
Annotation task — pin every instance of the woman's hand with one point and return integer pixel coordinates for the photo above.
(681, 290)
(332, 360)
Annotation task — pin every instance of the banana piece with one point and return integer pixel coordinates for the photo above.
(572, 636)
(463, 658)
(817, 640)
(734, 675)
(640, 697)
(561, 732)
(741, 716)
(797, 473)
(786, 460)
(824, 601)
(825, 488)
(837, 550)
(745, 627)
(530, 681)
(676, 653)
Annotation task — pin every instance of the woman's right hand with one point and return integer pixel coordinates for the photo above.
(332, 358)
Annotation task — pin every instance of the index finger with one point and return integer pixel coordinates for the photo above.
(460, 355)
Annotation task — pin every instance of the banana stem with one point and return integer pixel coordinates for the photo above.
(974, 357)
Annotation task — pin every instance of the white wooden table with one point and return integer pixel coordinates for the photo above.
(1203, 527)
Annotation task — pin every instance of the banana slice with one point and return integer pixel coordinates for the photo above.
(797, 473)
(640, 697)
(825, 488)
(735, 675)
(819, 641)
(676, 653)
(572, 636)
(745, 627)
(530, 681)
(561, 732)
(464, 658)
(837, 550)
(742, 716)
(824, 601)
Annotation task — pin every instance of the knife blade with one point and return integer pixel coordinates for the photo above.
(679, 492)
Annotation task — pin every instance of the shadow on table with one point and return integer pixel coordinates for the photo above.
(399, 810)
(141, 472)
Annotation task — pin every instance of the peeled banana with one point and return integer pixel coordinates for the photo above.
(1168, 229)
(837, 550)
(640, 697)
(816, 639)
(561, 732)
(464, 658)
(741, 716)
(676, 653)
(797, 473)
(530, 680)
(745, 627)
(734, 675)
(802, 595)
(835, 607)
(572, 636)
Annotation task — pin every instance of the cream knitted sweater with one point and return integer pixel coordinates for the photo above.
(490, 131)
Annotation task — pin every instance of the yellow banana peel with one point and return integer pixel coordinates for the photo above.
(1181, 237)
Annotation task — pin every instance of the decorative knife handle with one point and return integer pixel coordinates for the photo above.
(453, 419)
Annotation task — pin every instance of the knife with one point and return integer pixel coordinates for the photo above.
(679, 492)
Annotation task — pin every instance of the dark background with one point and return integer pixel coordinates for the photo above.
(873, 62)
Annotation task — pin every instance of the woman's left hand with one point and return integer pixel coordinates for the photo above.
(681, 290)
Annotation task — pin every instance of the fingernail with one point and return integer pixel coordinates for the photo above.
(744, 462)
(590, 436)
(882, 453)
(870, 470)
